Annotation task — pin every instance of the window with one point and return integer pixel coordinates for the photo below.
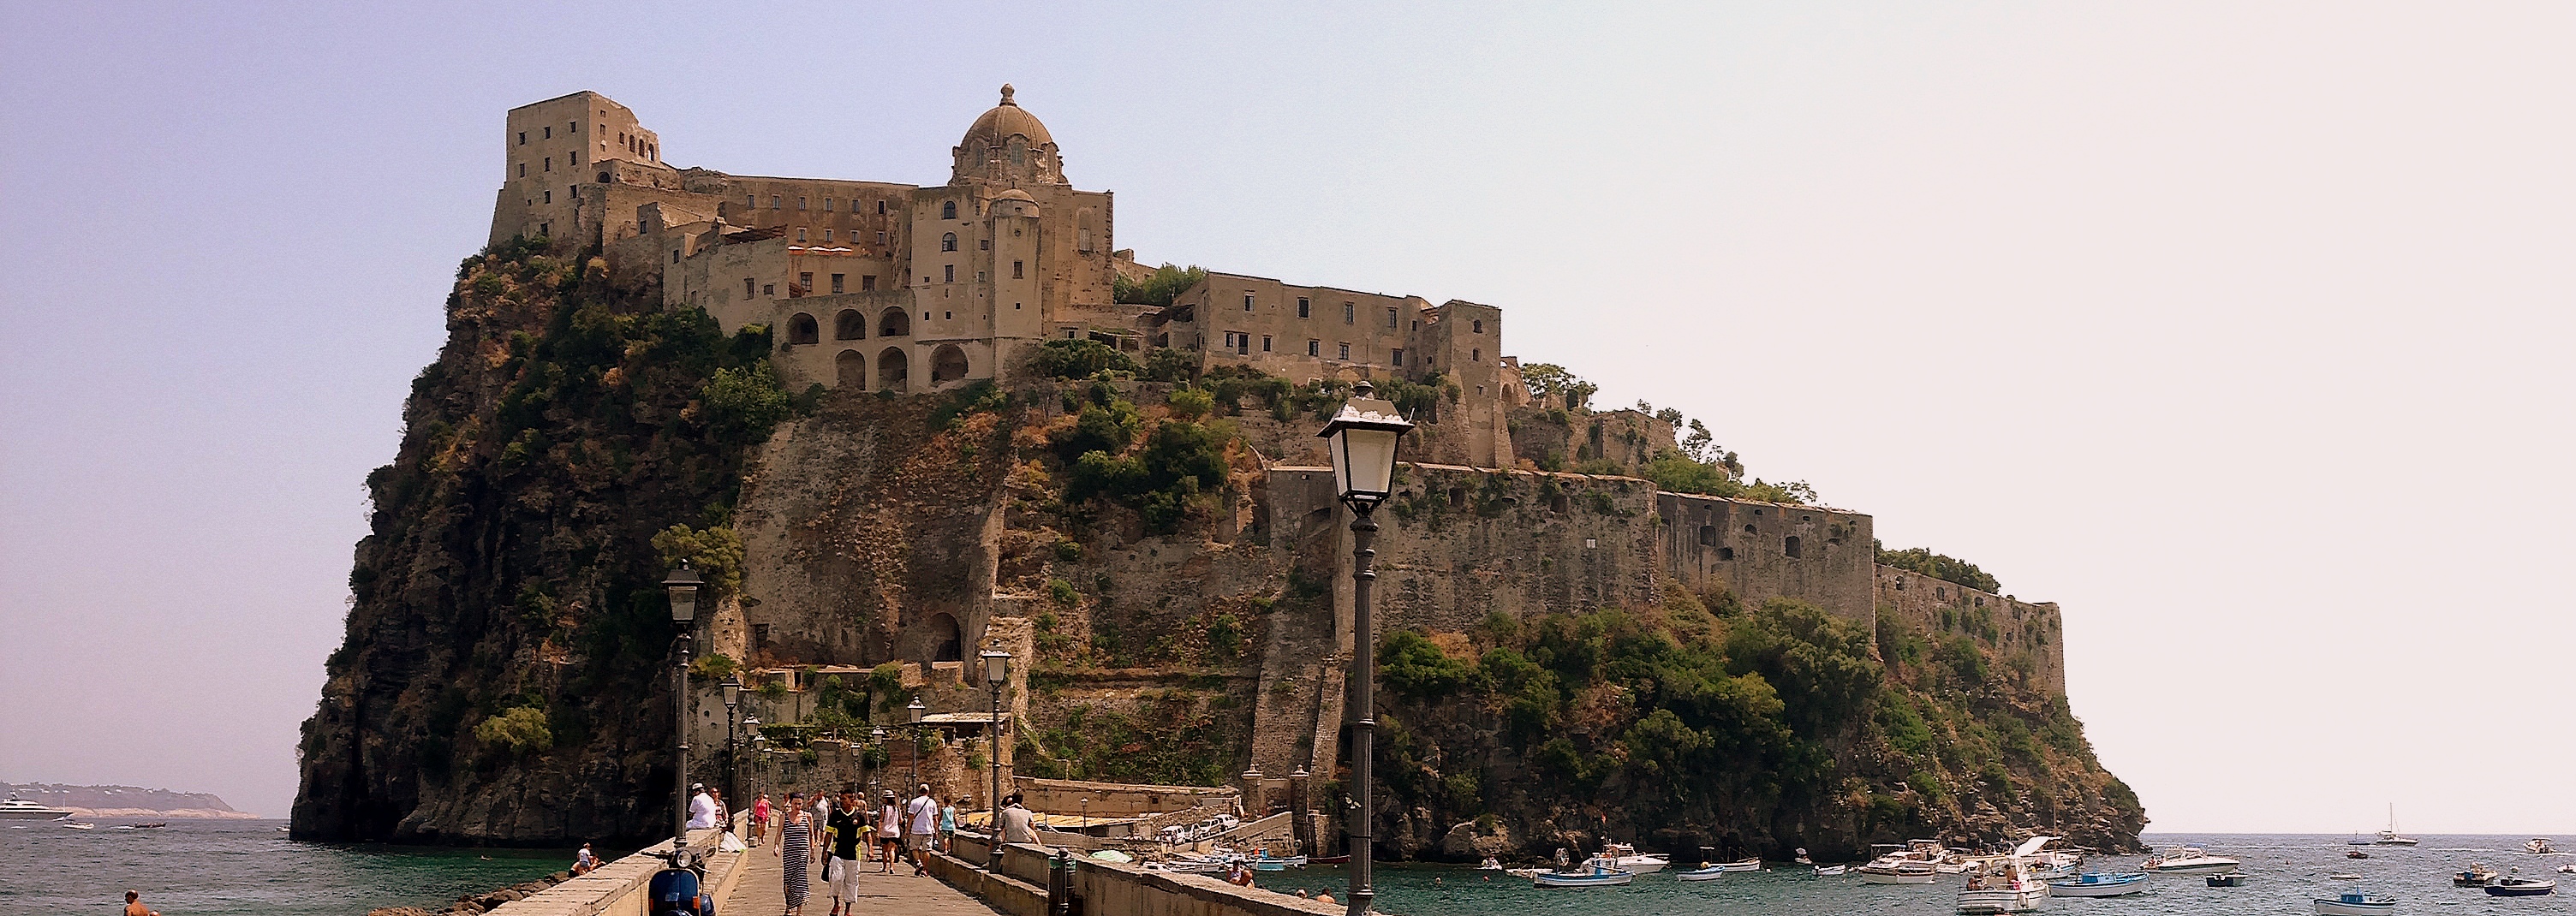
(1708, 535)
(750, 287)
(1314, 348)
(827, 205)
(545, 229)
(523, 170)
(800, 203)
(773, 201)
(1350, 313)
(1016, 272)
(867, 282)
(950, 271)
(574, 127)
(881, 238)
(769, 289)
(800, 233)
(1265, 343)
(550, 133)
(1346, 351)
(523, 138)
(576, 157)
(675, 255)
(1229, 340)
(827, 235)
(1726, 553)
(1247, 302)
(550, 163)
(837, 281)
(1476, 355)
(948, 241)
(1791, 547)
(1390, 317)
(880, 212)
(751, 200)
(1395, 357)
(947, 209)
(1477, 325)
(1305, 309)
(805, 279)
(984, 244)
(549, 196)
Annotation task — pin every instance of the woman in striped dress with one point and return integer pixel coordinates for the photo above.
(795, 850)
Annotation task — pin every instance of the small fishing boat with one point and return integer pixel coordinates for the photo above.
(1907, 872)
(2476, 875)
(2356, 854)
(2539, 846)
(2189, 860)
(2355, 903)
(155, 825)
(2520, 887)
(1752, 864)
(1827, 871)
(1266, 863)
(2230, 879)
(1596, 876)
(2343, 876)
(2092, 884)
(1710, 873)
(79, 825)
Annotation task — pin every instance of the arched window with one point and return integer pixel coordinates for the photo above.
(894, 323)
(892, 374)
(947, 209)
(1791, 547)
(948, 241)
(1708, 535)
(802, 330)
(851, 370)
(849, 325)
(947, 364)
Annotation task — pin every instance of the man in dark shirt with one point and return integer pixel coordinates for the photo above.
(847, 817)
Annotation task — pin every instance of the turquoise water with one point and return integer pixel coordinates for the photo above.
(2287, 871)
(238, 868)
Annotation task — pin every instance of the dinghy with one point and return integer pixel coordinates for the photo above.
(2092, 884)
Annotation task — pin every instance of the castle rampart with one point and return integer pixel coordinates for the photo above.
(2028, 636)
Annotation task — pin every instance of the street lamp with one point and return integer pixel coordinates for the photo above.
(1362, 439)
(732, 694)
(916, 710)
(1086, 815)
(1298, 825)
(997, 671)
(683, 585)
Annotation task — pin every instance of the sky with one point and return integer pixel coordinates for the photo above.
(2238, 329)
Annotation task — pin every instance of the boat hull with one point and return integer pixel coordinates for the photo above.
(2521, 889)
(1701, 874)
(1746, 865)
(1896, 877)
(2230, 879)
(2195, 867)
(2104, 886)
(2007, 900)
(1613, 879)
(2335, 907)
(34, 814)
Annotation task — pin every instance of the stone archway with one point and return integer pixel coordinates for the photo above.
(941, 640)
(894, 322)
(947, 364)
(850, 370)
(892, 373)
(801, 330)
(849, 325)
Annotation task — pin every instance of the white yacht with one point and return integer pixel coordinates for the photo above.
(1624, 857)
(2006, 884)
(2389, 836)
(2189, 860)
(19, 809)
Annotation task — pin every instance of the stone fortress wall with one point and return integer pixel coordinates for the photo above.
(863, 546)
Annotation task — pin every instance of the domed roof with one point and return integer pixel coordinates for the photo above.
(1014, 194)
(1004, 120)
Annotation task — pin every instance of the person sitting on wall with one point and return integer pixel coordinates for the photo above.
(1018, 825)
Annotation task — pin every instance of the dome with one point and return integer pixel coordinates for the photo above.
(1004, 120)
(1014, 194)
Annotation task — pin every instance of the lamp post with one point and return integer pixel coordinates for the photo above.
(732, 694)
(876, 736)
(915, 710)
(1297, 825)
(1086, 815)
(682, 584)
(1362, 439)
(997, 671)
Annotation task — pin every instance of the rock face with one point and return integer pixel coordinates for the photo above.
(1171, 581)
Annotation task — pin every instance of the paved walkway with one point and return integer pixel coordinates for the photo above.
(761, 892)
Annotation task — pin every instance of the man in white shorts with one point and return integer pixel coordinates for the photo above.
(847, 843)
(923, 812)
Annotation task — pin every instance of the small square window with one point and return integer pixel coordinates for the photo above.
(773, 201)
(1314, 348)
(1396, 357)
(984, 244)
(805, 279)
(881, 238)
(769, 289)
(800, 233)
(1346, 351)
(1478, 325)
(523, 138)
(867, 282)
(837, 280)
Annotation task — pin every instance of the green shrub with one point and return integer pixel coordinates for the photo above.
(1415, 667)
(1938, 566)
(521, 730)
(1062, 593)
(1097, 428)
(1079, 359)
(1158, 289)
(1191, 403)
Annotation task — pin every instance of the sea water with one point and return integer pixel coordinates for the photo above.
(2286, 873)
(239, 868)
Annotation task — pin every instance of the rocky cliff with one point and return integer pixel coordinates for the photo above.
(1147, 534)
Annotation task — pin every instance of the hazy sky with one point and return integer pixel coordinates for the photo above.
(2238, 329)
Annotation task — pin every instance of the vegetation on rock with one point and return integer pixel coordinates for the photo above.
(1938, 566)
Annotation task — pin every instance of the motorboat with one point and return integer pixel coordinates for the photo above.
(2539, 846)
(2343, 876)
(2476, 875)
(2520, 887)
(2006, 886)
(1266, 863)
(78, 825)
(1188, 866)
(2092, 884)
(2355, 903)
(1905, 872)
(1828, 871)
(1626, 858)
(2230, 879)
(2058, 865)
(2389, 836)
(1490, 864)
(2356, 854)
(2189, 860)
(1708, 873)
(19, 809)
(1752, 864)
(1596, 876)
(2568, 869)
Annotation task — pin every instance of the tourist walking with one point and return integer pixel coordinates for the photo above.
(921, 816)
(890, 829)
(795, 843)
(948, 827)
(760, 819)
(847, 840)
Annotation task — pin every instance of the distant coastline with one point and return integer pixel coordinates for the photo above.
(127, 802)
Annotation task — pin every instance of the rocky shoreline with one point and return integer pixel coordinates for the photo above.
(473, 904)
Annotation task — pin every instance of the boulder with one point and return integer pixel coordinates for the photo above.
(1468, 840)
